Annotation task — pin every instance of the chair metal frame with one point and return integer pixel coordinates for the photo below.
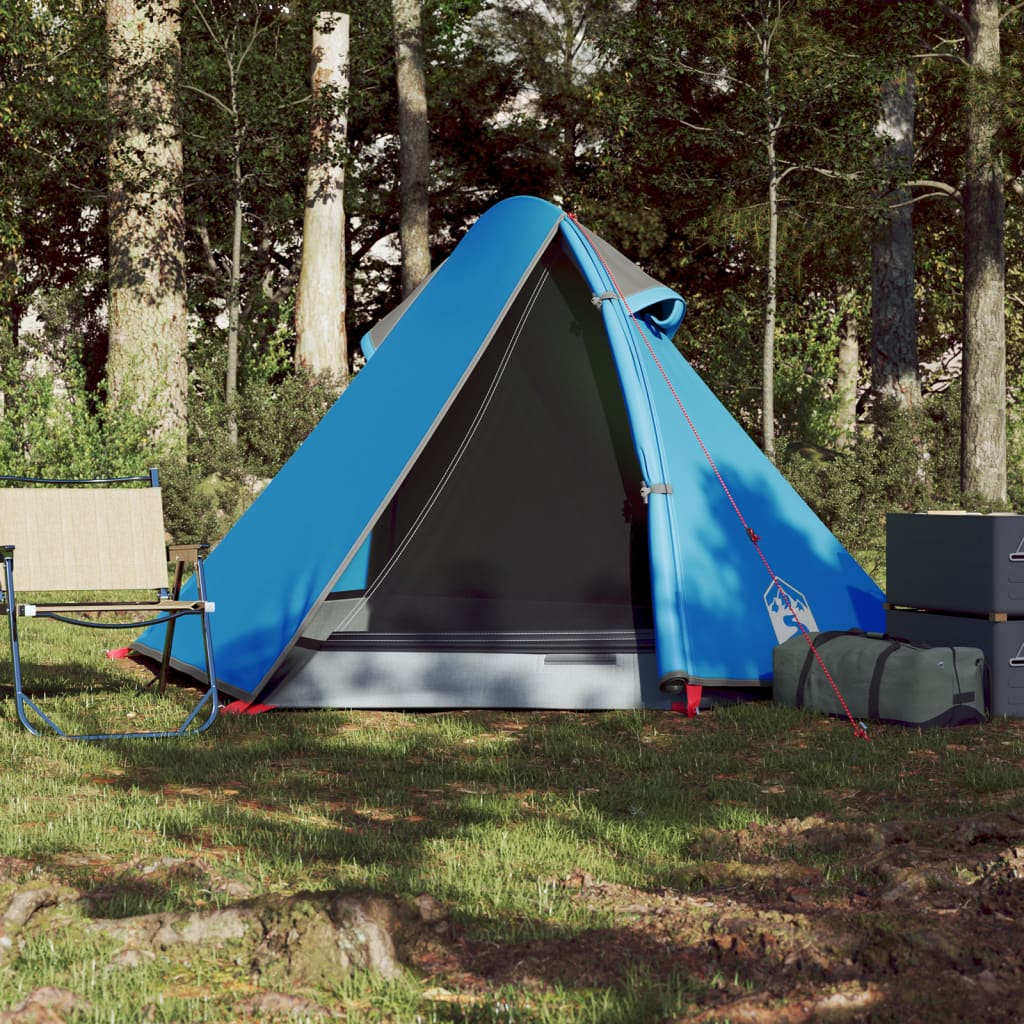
(166, 608)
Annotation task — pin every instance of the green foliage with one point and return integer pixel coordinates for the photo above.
(49, 427)
(276, 409)
(808, 340)
(244, 95)
(194, 502)
(52, 426)
(246, 109)
(908, 463)
(720, 337)
(275, 415)
(714, 85)
(649, 118)
(53, 136)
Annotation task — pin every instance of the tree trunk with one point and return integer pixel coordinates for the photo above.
(414, 159)
(772, 124)
(847, 376)
(771, 308)
(234, 298)
(147, 372)
(322, 344)
(895, 371)
(983, 422)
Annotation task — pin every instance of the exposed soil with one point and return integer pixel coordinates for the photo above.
(935, 932)
(932, 931)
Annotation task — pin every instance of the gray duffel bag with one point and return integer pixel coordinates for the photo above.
(882, 679)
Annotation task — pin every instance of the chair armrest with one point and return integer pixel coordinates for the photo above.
(186, 552)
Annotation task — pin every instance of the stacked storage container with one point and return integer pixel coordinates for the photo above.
(958, 578)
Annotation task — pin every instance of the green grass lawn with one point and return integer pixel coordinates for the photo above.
(487, 811)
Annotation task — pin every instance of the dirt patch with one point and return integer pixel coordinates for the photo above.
(932, 930)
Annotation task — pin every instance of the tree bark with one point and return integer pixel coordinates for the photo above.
(771, 307)
(147, 372)
(234, 286)
(895, 370)
(772, 125)
(414, 157)
(847, 375)
(322, 343)
(983, 411)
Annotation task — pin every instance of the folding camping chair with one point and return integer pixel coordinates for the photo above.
(93, 537)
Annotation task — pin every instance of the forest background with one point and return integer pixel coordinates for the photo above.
(835, 189)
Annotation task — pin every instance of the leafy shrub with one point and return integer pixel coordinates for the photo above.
(275, 416)
(49, 428)
(274, 413)
(909, 462)
(191, 508)
(52, 426)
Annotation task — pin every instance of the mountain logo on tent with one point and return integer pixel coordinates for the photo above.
(1018, 662)
(1018, 555)
(784, 614)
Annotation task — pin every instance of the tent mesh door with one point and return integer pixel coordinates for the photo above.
(523, 513)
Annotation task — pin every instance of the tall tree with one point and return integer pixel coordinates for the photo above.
(233, 44)
(147, 371)
(414, 161)
(554, 50)
(895, 370)
(983, 412)
(320, 338)
(765, 27)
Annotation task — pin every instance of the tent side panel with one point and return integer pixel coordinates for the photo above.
(718, 613)
(727, 591)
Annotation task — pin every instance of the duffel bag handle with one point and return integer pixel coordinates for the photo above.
(813, 645)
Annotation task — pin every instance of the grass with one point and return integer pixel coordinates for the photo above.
(486, 811)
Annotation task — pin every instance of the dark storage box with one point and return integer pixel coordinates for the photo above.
(957, 562)
(1002, 643)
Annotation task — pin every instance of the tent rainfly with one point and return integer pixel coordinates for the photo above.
(526, 498)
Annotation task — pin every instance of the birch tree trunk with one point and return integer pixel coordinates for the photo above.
(414, 157)
(895, 371)
(322, 343)
(983, 414)
(847, 374)
(773, 123)
(147, 372)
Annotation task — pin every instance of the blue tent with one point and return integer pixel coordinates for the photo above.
(526, 498)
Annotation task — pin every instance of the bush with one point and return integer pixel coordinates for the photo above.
(274, 414)
(909, 462)
(49, 429)
(51, 426)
